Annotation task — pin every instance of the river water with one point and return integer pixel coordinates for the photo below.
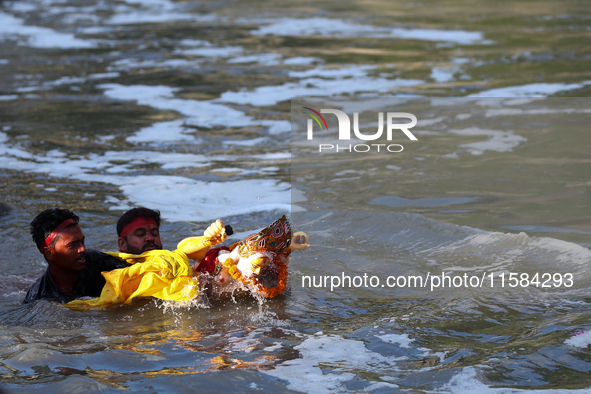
(187, 107)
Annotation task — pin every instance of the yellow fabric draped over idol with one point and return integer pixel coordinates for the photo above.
(162, 274)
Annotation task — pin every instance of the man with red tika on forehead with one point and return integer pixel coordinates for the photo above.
(139, 231)
(73, 271)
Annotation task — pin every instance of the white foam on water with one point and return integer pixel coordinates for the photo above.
(32, 89)
(207, 49)
(483, 238)
(278, 126)
(379, 385)
(264, 59)
(189, 42)
(155, 11)
(95, 30)
(313, 26)
(274, 156)
(163, 132)
(198, 113)
(104, 75)
(68, 81)
(305, 374)
(451, 36)
(538, 111)
(579, 340)
(126, 64)
(251, 142)
(156, 17)
(467, 382)
(499, 141)
(8, 97)
(402, 339)
(275, 346)
(160, 4)
(8, 154)
(56, 153)
(340, 72)
(432, 121)
(211, 52)
(344, 172)
(246, 343)
(271, 95)
(178, 198)
(302, 61)
(369, 103)
(19, 6)
(567, 252)
(240, 171)
(55, 9)
(297, 196)
(229, 169)
(443, 74)
(508, 248)
(84, 167)
(339, 28)
(38, 37)
(184, 199)
(73, 19)
(460, 60)
(530, 90)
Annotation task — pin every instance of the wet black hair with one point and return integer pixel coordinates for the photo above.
(47, 221)
(134, 213)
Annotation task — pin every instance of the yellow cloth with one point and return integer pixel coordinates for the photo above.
(157, 273)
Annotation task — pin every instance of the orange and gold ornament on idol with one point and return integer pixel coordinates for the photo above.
(260, 261)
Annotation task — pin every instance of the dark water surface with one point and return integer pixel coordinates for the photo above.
(186, 107)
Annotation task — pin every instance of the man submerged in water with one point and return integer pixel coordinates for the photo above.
(138, 231)
(73, 271)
